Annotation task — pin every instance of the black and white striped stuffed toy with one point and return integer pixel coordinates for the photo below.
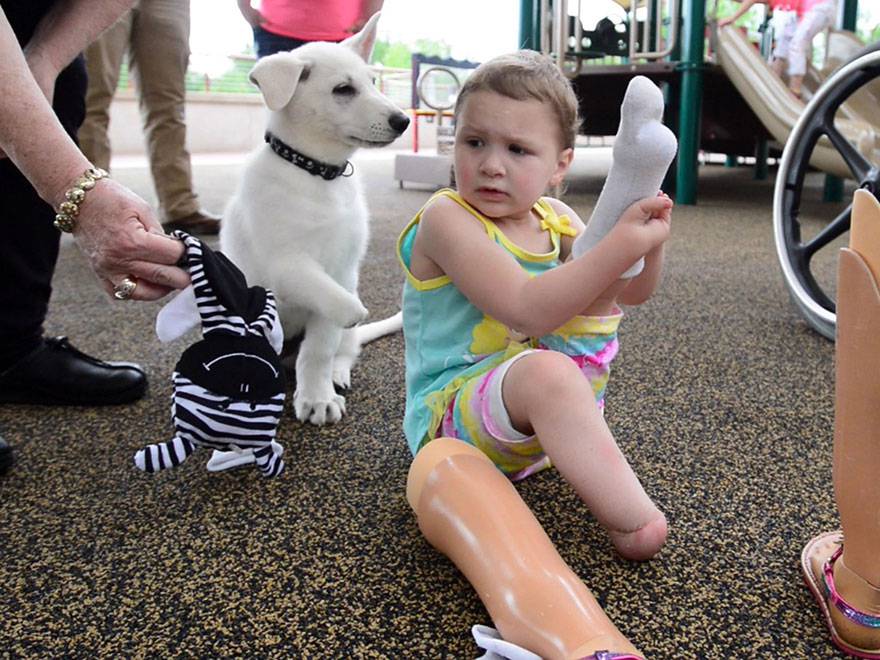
(228, 387)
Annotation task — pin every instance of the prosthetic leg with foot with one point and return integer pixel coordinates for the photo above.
(470, 512)
(846, 580)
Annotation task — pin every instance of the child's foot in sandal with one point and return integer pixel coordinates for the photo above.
(851, 605)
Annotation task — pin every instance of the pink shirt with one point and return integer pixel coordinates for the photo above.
(800, 6)
(310, 20)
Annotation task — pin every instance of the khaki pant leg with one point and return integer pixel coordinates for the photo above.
(160, 54)
(103, 60)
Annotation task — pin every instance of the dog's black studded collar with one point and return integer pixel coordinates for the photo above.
(310, 165)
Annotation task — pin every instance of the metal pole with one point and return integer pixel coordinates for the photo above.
(527, 25)
(832, 191)
(693, 24)
(762, 149)
(849, 14)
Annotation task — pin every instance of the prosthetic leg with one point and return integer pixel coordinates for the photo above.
(846, 581)
(471, 513)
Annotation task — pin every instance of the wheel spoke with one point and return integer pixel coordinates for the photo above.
(832, 230)
(857, 163)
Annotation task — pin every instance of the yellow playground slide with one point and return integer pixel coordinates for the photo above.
(779, 110)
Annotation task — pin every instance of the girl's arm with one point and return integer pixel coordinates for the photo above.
(639, 289)
(643, 286)
(744, 7)
(565, 242)
(456, 244)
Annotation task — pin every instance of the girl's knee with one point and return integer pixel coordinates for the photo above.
(547, 369)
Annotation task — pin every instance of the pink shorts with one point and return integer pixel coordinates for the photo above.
(477, 414)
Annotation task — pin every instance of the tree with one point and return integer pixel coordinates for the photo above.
(397, 54)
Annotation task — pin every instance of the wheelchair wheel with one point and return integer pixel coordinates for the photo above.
(798, 253)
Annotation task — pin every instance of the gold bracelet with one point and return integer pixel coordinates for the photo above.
(69, 209)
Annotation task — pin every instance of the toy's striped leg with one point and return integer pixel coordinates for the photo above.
(268, 459)
(153, 458)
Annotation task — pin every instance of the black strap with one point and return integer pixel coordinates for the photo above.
(310, 165)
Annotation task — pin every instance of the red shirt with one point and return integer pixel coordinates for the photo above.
(310, 20)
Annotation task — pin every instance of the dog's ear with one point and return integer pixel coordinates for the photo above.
(277, 76)
(362, 43)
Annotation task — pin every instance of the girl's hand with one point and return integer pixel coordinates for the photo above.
(647, 222)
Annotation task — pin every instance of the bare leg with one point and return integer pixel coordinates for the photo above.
(472, 514)
(545, 393)
(794, 84)
(779, 65)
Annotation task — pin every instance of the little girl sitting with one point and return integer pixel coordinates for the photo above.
(509, 340)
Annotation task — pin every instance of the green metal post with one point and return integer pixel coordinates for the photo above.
(762, 149)
(527, 27)
(850, 14)
(693, 24)
(832, 191)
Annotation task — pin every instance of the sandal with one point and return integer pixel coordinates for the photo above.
(817, 563)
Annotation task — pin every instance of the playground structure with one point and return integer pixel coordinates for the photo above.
(435, 84)
(722, 97)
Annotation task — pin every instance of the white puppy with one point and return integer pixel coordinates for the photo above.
(297, 223)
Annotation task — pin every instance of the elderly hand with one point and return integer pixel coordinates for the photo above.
(119, 234)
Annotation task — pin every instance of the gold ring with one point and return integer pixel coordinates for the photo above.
(124, 289)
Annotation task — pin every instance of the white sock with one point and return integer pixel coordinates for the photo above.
(643, 150)
(497, 648)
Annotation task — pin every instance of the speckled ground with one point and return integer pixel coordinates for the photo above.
(722, 399)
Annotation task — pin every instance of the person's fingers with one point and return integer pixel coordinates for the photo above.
(170, 277)
(651, 206)
(159, 248)
(148, 291)
(122, 290)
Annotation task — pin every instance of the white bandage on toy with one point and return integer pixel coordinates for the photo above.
(643, 151)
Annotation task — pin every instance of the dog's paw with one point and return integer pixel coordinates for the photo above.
(342, 365)
(341, 377)
(318, 411)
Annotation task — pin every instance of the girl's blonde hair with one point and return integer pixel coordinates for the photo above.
(527, 74)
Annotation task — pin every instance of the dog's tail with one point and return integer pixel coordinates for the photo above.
(370, 331)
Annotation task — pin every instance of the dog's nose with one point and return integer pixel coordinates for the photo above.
(398, 122)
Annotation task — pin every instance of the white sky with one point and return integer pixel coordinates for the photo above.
(474, 29)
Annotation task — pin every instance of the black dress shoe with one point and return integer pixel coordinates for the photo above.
(200, 222)
(5, 456)
(56, 374)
